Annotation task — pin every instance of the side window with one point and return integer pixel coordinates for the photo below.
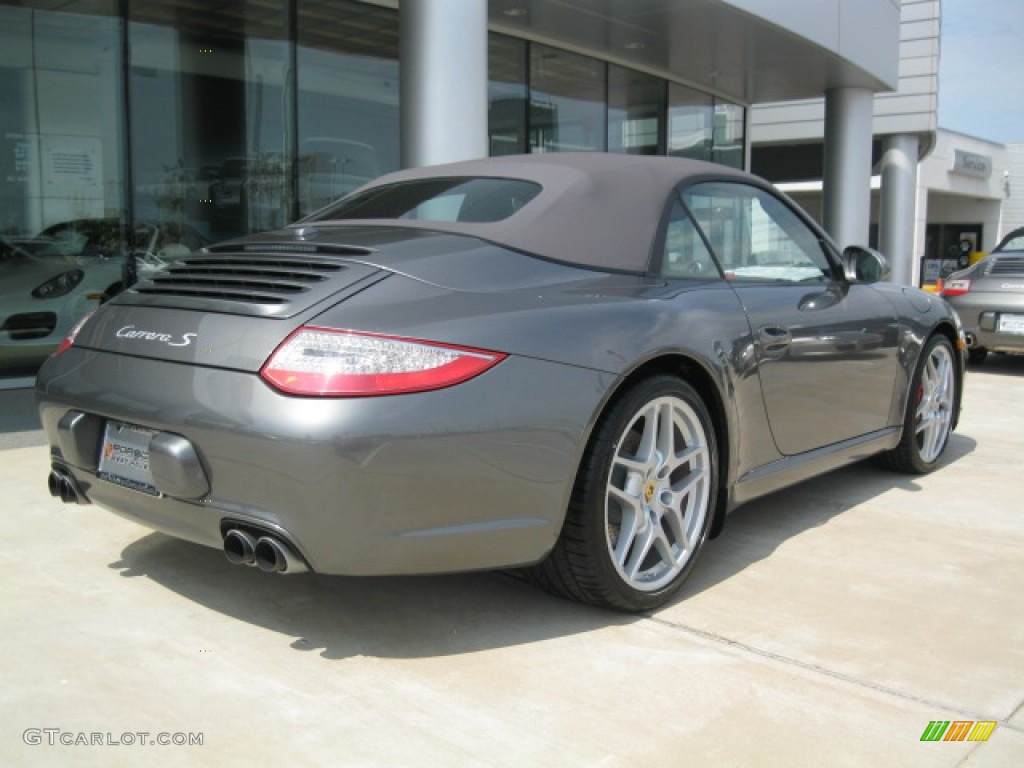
(755, 235)
(686, 254)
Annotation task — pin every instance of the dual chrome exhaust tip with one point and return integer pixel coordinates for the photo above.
(266, 552)
(63, 486)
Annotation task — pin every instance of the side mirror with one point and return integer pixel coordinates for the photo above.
(865, 265)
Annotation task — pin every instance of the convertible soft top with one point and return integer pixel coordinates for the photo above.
(575, 216)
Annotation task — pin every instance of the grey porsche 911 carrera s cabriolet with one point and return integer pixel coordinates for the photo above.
(575, 364)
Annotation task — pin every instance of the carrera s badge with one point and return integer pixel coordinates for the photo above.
(182, 340)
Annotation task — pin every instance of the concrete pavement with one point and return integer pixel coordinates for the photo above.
(827, 626)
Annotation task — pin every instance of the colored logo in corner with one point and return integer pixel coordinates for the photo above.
(958, 730)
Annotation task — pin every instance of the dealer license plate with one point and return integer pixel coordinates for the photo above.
(1011, 324)
(125, 456)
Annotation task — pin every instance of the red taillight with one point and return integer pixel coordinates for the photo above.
(955, 288)
(326, 362)
(68, 341)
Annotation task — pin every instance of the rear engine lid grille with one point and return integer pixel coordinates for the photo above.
(271, 280)
(1007, 265)
(289, 249)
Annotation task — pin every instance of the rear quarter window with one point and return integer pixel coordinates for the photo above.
(478, 200)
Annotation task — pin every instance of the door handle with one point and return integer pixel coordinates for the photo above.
(774, 340)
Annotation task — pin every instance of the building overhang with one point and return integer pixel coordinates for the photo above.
(746, 51)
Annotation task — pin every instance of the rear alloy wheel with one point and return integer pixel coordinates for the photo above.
(929, 415)
(643, 501)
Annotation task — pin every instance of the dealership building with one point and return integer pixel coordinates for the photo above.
(937, 197)
(219, 119)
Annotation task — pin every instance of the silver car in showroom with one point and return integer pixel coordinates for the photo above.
(43, 293)
(573, 364)
(989, 297)
(52, 280)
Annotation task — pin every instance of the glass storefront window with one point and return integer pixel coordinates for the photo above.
(507, 95)
(61, 173)
(208, 120)
(567, 101)
(60, 133)
(348, 121)
(730, 134)
(543, 99)
(243, 116)
(689, 123)
(636, 109)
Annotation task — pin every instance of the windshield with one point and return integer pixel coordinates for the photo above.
(477, 200)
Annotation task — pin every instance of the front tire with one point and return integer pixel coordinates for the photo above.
(643, 501)
(931, 404)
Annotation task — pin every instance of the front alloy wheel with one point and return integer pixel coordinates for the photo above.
(934, 415)
(930, 409)
(643, 501)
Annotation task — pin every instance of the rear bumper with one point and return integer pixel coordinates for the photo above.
(981, 317)
(996, 342)
(457, 479)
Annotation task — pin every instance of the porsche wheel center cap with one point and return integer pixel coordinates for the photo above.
(649, 489)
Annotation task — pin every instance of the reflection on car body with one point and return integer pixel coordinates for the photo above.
(569, 363)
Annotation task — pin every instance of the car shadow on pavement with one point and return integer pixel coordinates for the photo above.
(754, 531)
(1000, 365)
(386, 617)
(428, 616)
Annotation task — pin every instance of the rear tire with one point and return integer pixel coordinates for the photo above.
(928, 420)
(977, 355)
(642, 503)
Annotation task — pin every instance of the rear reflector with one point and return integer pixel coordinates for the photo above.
(326, 362)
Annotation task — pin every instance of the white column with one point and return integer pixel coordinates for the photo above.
(847, 177)
(897, 219)
(443, 65)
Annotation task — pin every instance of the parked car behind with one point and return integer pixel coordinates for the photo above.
(989, 297)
